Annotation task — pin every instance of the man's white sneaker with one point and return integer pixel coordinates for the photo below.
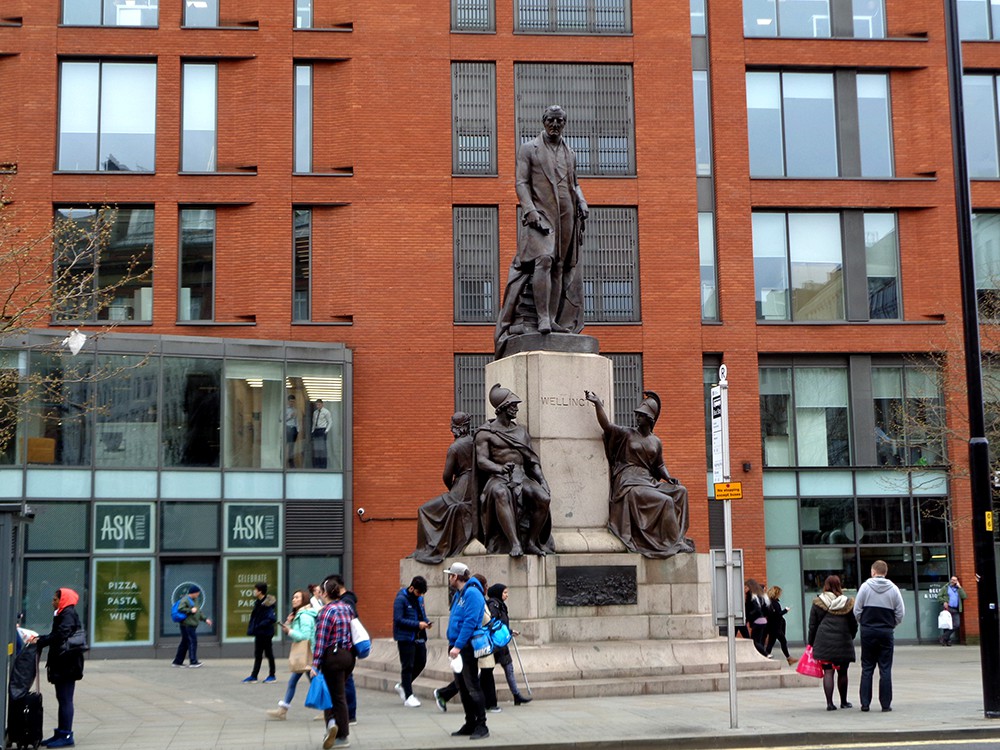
(411, 702)
(399, 691)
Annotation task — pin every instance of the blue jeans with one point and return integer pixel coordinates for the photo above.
(876, 648)
(293, 681)
(352, 697)
(188, 645)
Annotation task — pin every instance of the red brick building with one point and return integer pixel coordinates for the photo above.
(330, 185)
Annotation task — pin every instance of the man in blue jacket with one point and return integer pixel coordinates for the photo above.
(466, 615)
(409, 630)
(878, 608)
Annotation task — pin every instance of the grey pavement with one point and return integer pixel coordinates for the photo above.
(144, 704)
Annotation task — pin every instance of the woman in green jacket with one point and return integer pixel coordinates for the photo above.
(300, 625)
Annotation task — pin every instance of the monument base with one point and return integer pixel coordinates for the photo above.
(647, 629)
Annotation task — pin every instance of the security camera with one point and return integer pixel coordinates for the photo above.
(361, 512)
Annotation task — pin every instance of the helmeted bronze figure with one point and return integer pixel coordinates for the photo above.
(514, 504)
(446, 524)
(545, 287)
(648, 508)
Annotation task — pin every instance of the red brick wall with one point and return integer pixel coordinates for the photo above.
(382, 104)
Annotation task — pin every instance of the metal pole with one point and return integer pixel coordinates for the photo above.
(979, 461)
(734, 721)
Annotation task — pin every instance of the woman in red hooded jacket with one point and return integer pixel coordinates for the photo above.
(64, 668)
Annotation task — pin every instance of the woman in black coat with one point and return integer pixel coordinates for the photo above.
(497, 604)
(64, 667)
(832, 629)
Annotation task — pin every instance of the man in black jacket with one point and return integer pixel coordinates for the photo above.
(261, 626)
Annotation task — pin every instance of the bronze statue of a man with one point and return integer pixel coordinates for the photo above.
(514, 503)
(648, 508)
(447, 523)
(553, 214)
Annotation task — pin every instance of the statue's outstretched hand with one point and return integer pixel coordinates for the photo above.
(593, 398)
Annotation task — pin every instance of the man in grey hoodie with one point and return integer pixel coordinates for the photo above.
(878, 609)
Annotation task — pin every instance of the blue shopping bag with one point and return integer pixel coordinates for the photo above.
(318, 696)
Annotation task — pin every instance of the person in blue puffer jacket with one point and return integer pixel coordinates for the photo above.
(409, 630)
(466, 615)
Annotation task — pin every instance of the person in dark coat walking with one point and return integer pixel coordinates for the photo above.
(263, 618)
(497, 603)
(776, 624)
(832, 628)
(64, 667)
(755, 613)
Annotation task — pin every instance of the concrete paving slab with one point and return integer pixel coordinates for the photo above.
(147, 705)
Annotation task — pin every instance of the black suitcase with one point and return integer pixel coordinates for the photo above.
(24, 721)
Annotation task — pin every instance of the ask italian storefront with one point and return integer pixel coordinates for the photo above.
(153, 463)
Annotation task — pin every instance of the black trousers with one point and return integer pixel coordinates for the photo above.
(262, 647)
(877, 645)
(412, 660)
(337, 667)
(470, 690)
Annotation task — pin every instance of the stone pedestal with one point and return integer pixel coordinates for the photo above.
(567, 438)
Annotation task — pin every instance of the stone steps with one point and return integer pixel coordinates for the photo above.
(590, 669)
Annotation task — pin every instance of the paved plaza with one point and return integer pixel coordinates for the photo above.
(147, 705)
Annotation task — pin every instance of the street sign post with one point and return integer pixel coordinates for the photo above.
(726, 491)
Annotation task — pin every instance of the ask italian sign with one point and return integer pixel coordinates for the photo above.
(123, 527)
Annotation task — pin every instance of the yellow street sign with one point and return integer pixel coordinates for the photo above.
(989, 520)
(729, 491)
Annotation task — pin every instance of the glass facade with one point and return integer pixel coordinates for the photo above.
(104, 264)
(303, 118)
(197, 261)
(198, 139)
(244, 481)
(107, 116)
(110, 12)
(800, 261)
(793, 126)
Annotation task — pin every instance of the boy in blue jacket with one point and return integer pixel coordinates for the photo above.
(466, 615)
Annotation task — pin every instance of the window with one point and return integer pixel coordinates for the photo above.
(804, 416)
(192, 411)
(599, 110)
(470, 386)
(110, 12)
(58, 429)
(107, 116)
(909, 424)
(800, 261)
(978, 19)
(474, 118)
(979, 95)
(702, 124)
(573, 16)
(255, 415)
(303, 14)
(882, 262)
(793, 124)
(104, 263)
(986, 249)
(813, 19)
(706, 261)
(301, 264)
(201, 13)
(477, 264)
(626, 375)
(126, 434)
(698, 25)
(303, 118)
(473, 15)
(610, 262)
(197, 260)
(200, 117)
